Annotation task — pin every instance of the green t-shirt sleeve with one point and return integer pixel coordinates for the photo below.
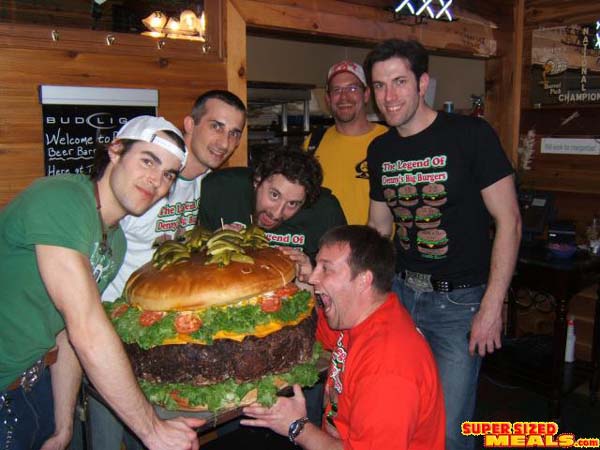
(56, 213)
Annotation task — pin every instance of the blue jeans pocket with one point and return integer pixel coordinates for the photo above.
(466, 298)
(27, 420)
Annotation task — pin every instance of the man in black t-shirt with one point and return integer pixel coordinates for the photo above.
(441, 179)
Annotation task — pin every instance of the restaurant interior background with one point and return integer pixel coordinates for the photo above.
(530, 60)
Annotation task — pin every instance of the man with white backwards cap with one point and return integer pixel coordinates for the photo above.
(212, 132)
(60, 245)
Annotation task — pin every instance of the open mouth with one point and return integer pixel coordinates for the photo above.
(323, 301)
(393, 109)
(146, 194)
(218, 153)
(319, 301)
(266, 221)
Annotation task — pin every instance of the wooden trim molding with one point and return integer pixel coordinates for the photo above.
(237, 71)
(74, 39)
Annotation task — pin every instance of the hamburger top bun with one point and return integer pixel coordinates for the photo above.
(193, 285)
(433, 188)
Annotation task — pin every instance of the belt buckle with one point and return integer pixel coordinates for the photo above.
(32, 375)
(418, 281)
(443, 286)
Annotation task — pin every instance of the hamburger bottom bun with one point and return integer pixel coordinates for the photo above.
(248, 399)
(194, 285)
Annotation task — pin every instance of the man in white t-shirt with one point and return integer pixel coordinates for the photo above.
(212, 131)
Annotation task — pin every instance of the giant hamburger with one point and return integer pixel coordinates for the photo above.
(215, 321)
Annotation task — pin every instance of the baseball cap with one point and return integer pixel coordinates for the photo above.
(347, 66)
(144, 128)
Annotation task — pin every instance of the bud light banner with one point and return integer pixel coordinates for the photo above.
(77, 120)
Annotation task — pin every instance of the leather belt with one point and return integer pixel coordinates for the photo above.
(32, 375)
(433, 284)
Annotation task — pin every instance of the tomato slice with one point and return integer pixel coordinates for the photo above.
(119, 311)
(183, 402)
(286, 291)
(270, 304)
(148, 318)
(186, 323)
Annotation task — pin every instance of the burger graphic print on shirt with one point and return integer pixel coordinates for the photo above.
(416, 193)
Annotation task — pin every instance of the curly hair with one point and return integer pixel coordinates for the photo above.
(295, 165)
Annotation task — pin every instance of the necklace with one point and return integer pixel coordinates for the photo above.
(104, 247)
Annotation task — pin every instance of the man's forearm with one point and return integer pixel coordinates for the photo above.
(66, 380)
(504, 256)
(313, 438)
(106, 365)
(380, 218)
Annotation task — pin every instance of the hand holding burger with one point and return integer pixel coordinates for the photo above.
(304, 266)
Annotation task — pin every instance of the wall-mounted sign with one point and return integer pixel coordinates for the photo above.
(570, 146)
(565, 65)
(78, 119)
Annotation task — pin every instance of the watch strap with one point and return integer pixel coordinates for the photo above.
(296, 428)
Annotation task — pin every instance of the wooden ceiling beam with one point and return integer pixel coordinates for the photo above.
(566, 12)
(342, 20)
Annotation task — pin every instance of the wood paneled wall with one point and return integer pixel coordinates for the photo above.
(574, 179)
(180, 72)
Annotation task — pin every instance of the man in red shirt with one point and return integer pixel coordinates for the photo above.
(382, 389)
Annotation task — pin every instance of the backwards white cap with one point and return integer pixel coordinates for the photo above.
(144, 128)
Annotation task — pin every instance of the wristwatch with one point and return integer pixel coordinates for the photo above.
(296, 428)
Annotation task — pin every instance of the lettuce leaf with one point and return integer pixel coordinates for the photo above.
(235, 319)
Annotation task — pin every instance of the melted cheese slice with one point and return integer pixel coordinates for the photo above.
(260, 331)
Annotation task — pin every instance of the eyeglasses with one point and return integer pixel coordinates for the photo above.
(339, 90)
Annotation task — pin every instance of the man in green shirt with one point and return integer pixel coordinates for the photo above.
(60, 245)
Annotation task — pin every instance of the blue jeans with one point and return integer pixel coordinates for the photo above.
(27, 418)
(445, 321)
(106, 431)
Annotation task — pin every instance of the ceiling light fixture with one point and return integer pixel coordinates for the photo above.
(188, 26)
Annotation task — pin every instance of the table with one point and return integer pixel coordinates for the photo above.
(538, 270)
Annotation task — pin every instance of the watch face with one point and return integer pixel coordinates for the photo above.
(296, 428)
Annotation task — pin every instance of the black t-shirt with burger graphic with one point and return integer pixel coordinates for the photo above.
(432, 182)
(228, 197)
